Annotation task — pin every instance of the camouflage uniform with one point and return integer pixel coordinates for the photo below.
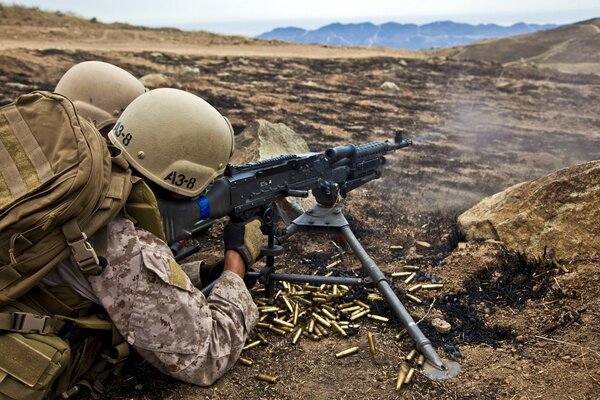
(163, 316)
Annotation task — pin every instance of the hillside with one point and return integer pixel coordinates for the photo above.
(570, 48)
(403, 36)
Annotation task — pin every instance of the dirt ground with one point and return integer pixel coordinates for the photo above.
(520, 329)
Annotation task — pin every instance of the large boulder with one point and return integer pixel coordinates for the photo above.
(262, 140)
(558, 213)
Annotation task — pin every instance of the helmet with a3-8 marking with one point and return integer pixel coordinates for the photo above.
(175, 139)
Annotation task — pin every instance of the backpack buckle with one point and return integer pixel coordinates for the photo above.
(28, 323)
(85, 256)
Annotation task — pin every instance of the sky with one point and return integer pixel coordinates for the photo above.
(251, 18)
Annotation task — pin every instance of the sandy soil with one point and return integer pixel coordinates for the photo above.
(519, 329)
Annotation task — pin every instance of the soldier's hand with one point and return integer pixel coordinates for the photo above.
(245, 238)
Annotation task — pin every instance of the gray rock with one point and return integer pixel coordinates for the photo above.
(153, 81)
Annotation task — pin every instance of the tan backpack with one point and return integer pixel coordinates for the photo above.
(59, 184)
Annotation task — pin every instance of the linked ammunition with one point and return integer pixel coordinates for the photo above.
(297, 335)
(278, 331)
(339, 329)
(358, 314)
(431, 286)
(246, 361)
(263, 325)
(411, 355)
(266, 378)
(378, 317)
(401, 375)
(345, 305)
(347, 352)
(371, 341)
(320, 300)
(283, 323)
(343, 323)
(252, 344)
(411, 267)
(350, 309)
(410, 278)
(415, 288)
(401, 274)
(409, 375)
(321, 320)
(413, 298)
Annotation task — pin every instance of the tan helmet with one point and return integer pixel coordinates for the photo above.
(175, 139)
(99, 91)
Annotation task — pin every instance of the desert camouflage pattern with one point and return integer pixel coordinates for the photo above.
(163, 316)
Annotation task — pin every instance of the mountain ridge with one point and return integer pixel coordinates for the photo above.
(438, 34)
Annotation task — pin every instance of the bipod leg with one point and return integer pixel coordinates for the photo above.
(270, 250)
(421, 342)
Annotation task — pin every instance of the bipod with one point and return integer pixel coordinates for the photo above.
(324, 219)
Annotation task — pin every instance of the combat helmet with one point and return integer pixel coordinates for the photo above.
(175, 139)
(99, 91)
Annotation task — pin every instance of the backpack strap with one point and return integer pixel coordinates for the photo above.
(24, 322)
(83, 252)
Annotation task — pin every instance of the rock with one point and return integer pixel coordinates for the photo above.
(422, 244)
(441, 326)
(462, 245)
(403, 63)
(389, 86)
(154, 81)
(557, 214)
(262, 140)
(190, 70)
(156, 54)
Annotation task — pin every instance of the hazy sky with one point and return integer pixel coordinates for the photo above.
(253, 17)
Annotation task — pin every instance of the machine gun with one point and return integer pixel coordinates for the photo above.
(251, 190)
(248, 191)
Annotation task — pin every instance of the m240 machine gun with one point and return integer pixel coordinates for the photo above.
(251, 190)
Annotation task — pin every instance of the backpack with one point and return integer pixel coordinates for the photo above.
(59, 185)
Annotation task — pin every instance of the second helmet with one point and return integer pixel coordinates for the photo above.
(175, 139)
(99, 91)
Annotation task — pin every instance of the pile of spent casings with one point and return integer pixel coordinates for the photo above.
(304, 311)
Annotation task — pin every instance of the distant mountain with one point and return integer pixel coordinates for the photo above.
(570, 48)
(404, 36)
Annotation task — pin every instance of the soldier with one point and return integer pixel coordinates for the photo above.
(177, 143)
(99, 91)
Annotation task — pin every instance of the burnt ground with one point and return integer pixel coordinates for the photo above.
(520, 329)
